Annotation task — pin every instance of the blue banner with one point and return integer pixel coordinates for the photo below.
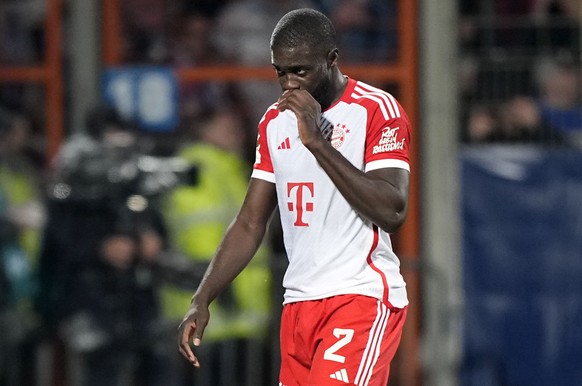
(147, 95)
(522, 262)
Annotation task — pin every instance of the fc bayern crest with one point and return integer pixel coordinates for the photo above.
(339, 135)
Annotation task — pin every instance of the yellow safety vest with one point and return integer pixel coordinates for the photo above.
(197, 217)
(20, 190)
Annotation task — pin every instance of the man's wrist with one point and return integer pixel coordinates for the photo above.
(199, 298)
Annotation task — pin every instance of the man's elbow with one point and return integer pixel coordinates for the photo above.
(393, 222)
(393, 218)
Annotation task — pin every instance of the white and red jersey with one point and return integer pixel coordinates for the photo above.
(332, 250)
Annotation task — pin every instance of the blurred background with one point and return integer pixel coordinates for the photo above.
(127, 132)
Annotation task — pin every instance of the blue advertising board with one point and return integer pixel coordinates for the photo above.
(146, 95)
(522, 266)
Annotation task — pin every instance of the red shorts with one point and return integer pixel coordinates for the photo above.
(342, 340)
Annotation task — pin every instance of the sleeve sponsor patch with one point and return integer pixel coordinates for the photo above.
(389, 141)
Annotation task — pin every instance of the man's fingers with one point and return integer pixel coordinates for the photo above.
(189, 356)
(184, 343)
(284, 100)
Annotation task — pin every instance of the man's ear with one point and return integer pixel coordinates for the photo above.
(332, 57)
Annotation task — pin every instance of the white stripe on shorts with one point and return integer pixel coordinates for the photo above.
(372, 351)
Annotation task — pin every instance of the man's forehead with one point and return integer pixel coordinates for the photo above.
(297, 55)
(295, 50)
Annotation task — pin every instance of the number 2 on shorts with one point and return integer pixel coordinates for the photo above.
(345, 336)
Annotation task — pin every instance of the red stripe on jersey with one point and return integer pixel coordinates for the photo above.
(373, 266)
(263, 156)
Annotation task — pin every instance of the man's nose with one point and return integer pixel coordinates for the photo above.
(290, 82)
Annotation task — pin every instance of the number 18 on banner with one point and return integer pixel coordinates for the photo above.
(146, 95)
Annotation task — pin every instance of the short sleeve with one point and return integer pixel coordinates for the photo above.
(388, 139)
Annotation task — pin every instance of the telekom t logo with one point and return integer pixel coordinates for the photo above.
(296, 191)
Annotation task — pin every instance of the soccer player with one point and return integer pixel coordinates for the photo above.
(333, 154)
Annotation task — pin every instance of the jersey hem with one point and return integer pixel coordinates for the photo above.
(392, 303)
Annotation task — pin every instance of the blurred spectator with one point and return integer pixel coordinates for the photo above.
(21, 220)
(560, 19)
(483, 25)
(528, 26)
(500, 43)
(243, 28)
(516, 120)
(16, 290)
(21, 28)
(22, 44)
(151, 28)
(560, 97)
(21, 179)
(192, 43)
(521, 121)
(146, 29)
(98, 288)
(482, 124)
(502, 30)
(242, 32)
(197, 216)
(366, 29)
(192, 46)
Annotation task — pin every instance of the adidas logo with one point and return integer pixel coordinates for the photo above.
(340, 375)
(286, 144)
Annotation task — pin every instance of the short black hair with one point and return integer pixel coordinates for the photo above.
(304, 26)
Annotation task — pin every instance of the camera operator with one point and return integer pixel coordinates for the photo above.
(97, 263)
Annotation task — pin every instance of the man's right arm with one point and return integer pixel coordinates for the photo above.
(240, 243)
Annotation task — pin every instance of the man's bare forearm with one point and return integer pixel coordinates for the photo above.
(241, 240)
(380, 196)
(238, 247)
